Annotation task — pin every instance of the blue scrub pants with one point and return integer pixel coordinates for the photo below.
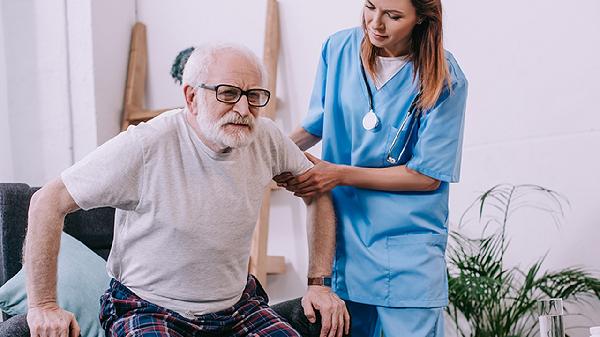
(370, 320)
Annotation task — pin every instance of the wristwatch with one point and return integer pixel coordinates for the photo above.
(320, 281)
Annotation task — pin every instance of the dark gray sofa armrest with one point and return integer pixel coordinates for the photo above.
(15, 327)
(93, 228)
(14, 204)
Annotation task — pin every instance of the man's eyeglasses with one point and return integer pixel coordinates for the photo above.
(231, 94)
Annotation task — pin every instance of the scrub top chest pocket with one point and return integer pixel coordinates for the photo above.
(370, 147)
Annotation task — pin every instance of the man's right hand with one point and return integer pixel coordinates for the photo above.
(52, 321)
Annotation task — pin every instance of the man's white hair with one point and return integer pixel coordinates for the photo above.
(204, 56)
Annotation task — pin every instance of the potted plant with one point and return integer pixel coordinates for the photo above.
(488, 298)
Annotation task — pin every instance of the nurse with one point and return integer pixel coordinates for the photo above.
(388, 104)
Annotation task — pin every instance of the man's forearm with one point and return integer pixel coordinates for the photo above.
(321, 235)
(47, 211)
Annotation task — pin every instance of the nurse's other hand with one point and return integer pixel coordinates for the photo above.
(322, 178)
(283, 179)
(335, 319)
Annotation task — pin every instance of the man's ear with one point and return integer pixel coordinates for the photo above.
(190, 96)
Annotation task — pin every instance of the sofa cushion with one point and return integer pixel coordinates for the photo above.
(82, 279)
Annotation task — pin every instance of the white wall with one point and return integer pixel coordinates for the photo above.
(63, 66)
(99, 34)
(110, 55)
(6, 165)
(532, 118)
(81, 77)
(36, 81)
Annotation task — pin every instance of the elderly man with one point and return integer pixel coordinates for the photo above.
(187, 187)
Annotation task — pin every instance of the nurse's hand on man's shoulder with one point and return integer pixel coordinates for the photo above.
(335, 319)
(322, 178)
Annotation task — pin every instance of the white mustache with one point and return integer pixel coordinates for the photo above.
(237, 119)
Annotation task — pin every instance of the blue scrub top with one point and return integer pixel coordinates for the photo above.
(390, 245)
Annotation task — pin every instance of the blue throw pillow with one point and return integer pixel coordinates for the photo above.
(82, 279)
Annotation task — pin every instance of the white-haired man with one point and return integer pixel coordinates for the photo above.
(187, 187)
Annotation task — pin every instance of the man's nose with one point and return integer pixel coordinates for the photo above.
(242, 107)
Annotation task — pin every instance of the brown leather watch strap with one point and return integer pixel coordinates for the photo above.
(319, 281)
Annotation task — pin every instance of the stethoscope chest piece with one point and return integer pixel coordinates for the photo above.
(370, 121)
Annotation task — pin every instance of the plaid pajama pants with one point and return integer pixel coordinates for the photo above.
(124, 314)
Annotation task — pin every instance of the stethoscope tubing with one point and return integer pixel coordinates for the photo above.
(412, 114)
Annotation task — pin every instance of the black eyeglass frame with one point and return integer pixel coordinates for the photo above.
(215, 88)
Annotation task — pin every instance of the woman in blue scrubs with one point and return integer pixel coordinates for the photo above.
(388, 104)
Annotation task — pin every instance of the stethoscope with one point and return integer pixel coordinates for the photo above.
(371, 121)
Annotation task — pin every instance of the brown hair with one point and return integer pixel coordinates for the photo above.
(426, 51)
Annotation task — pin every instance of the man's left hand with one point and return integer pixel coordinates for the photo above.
(335, 319)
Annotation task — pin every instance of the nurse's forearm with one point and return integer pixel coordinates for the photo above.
(321, 235)
(304, 139)
(397, 178)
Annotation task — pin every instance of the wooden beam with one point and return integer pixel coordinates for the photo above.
(135, 86)
(258, 252)
(271, 55)
(275, 264)
(261, 264)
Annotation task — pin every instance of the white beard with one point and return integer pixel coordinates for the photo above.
(215, 131)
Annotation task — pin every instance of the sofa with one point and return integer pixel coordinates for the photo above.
(96, 234)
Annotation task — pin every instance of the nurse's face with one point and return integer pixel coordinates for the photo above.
(389, 25)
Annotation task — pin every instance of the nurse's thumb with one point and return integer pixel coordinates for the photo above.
(309, 312)
(310, 157)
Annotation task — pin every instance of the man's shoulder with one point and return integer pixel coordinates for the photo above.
(163, 126)
(267, 128)
(269, 137)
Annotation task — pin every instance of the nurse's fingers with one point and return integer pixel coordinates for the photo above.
(283, 177)
(308, 194)
(303, 177)
(312, 158)
(308, 184)
(297, 187)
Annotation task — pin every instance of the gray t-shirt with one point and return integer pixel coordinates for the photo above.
(185, 214)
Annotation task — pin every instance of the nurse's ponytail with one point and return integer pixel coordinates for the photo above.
(426, 52)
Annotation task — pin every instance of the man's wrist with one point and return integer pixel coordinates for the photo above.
(324, 281)
(43, 305)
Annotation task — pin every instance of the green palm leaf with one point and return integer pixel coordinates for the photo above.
(487, 299)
